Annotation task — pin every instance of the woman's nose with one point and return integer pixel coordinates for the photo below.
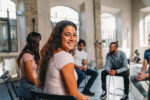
(71, 37)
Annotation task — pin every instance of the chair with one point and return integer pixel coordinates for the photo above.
(6, 79)
(40, 95)
(14, 89)
(114, 89)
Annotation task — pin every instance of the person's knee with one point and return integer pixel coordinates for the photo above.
(83, 76)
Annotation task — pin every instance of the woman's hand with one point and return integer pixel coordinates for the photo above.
(88, 98)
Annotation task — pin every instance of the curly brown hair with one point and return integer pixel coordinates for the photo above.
(53, 43)
(32, 47)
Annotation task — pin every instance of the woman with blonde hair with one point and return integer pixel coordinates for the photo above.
(57, 73)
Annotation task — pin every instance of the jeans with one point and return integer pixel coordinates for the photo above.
(82, 76)
(23, 90)
(138, 85)
(125, 76)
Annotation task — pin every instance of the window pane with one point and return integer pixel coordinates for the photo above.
(60, 13)
(108, 29)
(8, 33)
(14, 43)
(3, 36)
(13, 35)
(147, 29)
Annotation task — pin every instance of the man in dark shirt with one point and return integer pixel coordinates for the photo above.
(116, 65)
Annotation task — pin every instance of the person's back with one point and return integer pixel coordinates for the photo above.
(27, 57)
(54, 81)
(27, 62)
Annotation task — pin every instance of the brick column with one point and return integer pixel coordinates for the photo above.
(97, 23)
(31, 11)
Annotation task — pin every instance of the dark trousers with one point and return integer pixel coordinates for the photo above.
(82, 76)
(125, 76)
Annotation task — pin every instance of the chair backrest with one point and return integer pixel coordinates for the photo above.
(39, 95)
(13, 87)
(6, 79)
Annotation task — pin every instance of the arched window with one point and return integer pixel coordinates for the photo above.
(59, 13)
(145, 31)
(108, 29)
(8, 30)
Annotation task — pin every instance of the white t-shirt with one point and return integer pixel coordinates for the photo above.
(53, 81)
(79, 56)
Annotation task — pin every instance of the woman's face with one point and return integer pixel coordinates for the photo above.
(68, 38)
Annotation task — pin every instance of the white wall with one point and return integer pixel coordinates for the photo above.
(90, 35)
(44, 19)
(21, 26)
(123, 12)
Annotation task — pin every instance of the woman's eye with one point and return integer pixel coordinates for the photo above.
(75, 35)
(67, 34)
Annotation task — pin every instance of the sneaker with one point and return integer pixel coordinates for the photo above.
(124, 97)
(103, 95)
(88, 92)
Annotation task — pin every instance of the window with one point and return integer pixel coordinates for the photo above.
(8, 29)
(144, 27)
(145, 31)
(59, 13)
(108, 29)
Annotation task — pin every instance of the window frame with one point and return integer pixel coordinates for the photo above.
(142, 29)
(115, 33)
(9, 35)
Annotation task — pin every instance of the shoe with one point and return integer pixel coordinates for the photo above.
(124, 97)
(88, 92)
(103, 95)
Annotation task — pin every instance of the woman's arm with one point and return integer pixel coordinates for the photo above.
(29, 72)
(70, 82)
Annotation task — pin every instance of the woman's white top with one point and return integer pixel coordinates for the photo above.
(53, 81)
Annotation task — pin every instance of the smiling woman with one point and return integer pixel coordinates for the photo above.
(69, 38)
(57, 65)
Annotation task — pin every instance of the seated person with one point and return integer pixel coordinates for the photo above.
(27, 62)
(116, 65)
(57, 74)
(143, 75)
(81, 69)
